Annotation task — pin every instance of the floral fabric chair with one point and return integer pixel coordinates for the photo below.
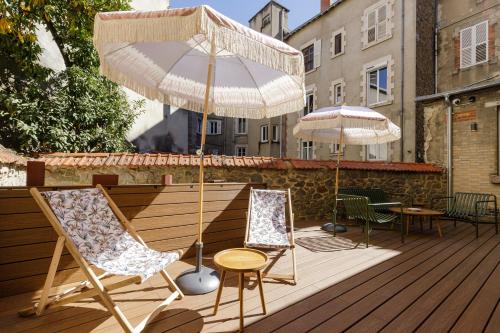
(101, 239)
(95, 232)
(267, 224)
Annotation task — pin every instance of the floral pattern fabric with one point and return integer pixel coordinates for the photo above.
(100, 237)
(267, 224)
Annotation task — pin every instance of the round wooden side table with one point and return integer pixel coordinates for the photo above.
(411, 212)
(240, 261)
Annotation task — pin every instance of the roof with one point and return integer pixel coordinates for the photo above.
(314, 18)
(8, 156)
(265, 6)
(472, 88)
(136, 160)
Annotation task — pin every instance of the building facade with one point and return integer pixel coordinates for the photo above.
(460, 122)
(365, 53)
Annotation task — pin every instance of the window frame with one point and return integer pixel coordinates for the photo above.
(377, 152)
(275, 138)
(474, 44)
(218, 123)
(266, 20)
(367, 85)
(264, 129)
(310, 54)
(335, 95)
(237, 126)
(342, 33)
(374, 9)
(309, 150)
(309, 95)
(237, 147)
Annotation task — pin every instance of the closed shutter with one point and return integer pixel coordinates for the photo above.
(481, 42)
(317, 53)
(371, 27)
(381, 22)
(466, 47)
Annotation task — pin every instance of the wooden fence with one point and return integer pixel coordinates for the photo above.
(165, 216)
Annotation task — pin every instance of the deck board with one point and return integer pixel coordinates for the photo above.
(427, 283)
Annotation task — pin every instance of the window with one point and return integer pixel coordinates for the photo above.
(376, 80)
(337, 93)
(309, 57)
(474, 45)
(306, 150)
(338, 43)
(198, 125)
(264, 133)
(241, 126)
(377, 152)
(309, 103)
(214, 127)
(240, 150)
(335, 148)
(266, 20)
(276, 133)
(377, 23)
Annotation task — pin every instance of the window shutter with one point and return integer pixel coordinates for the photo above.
(317, 53)
(481, 42)
(382, 22)
(466, 47)
(370, 27)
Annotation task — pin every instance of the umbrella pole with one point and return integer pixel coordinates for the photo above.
(337, 172)
(201, 279)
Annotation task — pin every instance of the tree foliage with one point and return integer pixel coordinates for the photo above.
(72, 110)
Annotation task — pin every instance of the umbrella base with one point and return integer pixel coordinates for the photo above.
(198, 281)
(338, 227)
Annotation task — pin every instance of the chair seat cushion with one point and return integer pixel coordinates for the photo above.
(269, 246)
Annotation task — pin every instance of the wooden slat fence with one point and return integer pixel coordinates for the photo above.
(165, 216)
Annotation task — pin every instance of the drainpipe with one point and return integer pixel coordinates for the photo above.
(449, 123)
(402, 118)
(282, 19)
(436, 31)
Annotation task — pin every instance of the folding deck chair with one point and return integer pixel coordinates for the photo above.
(96, 232)
(267, 229)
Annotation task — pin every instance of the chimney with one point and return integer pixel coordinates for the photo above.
(324, 5)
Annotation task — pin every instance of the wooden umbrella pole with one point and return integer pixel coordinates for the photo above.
(208, 86)
(337, 172)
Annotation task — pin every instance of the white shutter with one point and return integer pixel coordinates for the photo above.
(370, 27)
(466, 47)
(481, 51)
(381, 22)
(317, 53)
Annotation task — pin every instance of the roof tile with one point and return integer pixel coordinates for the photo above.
(81, 160)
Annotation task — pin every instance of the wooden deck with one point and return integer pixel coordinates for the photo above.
(427, 284)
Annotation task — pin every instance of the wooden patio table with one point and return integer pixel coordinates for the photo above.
(241, 261)
(411, 212)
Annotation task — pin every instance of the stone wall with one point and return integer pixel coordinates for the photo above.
(312, 189)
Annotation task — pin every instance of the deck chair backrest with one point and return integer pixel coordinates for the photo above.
(267, 219)
(357, 207)
(464, 204)
(101, 239)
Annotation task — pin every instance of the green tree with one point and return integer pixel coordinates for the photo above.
(73, 110)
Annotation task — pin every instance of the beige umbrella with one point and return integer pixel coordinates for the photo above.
(200, 60)
(350, 125)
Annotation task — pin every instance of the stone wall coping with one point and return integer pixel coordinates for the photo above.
(151, 160)
(10, 157)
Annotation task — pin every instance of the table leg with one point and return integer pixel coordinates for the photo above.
(438, 225)
(421, 224)
(241, 281)
(261, 290)
(219, 291)
(407, 225)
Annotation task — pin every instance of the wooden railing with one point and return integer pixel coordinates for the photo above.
(165, 216)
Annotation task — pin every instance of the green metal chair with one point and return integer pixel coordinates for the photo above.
(361, 209)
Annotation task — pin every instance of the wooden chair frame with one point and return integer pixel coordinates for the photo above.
(287, 277)
(83, 290)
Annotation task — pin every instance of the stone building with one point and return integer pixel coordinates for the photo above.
(375, 53)
(458, 125)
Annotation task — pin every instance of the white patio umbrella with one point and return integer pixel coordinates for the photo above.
(198, 59)
(350, 125)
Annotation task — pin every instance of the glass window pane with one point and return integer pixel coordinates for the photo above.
(382, 84)
(372, 88)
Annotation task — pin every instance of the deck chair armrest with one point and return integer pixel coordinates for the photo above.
(484, 201)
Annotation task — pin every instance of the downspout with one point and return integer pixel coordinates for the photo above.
(402, 117)
(281, 117)
(436, 31)
(449, 122)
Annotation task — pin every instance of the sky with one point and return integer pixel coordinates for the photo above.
(243, 10)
